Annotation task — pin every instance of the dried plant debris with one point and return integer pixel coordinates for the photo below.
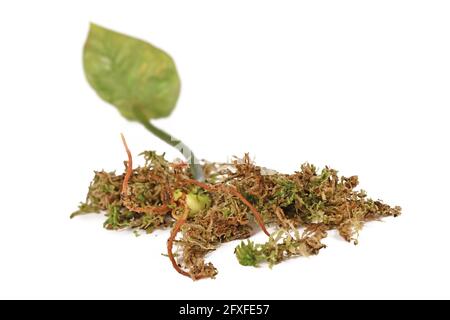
(206, 204)
(228, 205)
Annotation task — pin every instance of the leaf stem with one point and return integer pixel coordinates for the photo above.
(194, 164)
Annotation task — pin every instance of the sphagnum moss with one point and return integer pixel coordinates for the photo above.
(207, 203)
(227, 206)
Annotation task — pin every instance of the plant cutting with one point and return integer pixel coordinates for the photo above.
(206, 203)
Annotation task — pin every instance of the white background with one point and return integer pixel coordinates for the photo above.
(362, 86)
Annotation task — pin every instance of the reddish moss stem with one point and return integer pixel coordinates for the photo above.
(129, 171)
(256, 214)
(173, 234)
(163, 209)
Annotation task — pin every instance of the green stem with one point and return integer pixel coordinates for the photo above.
(196, 168)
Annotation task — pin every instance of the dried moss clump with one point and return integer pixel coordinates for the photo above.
(227, 206)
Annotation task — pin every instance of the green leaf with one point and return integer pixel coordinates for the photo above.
(134, 76)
